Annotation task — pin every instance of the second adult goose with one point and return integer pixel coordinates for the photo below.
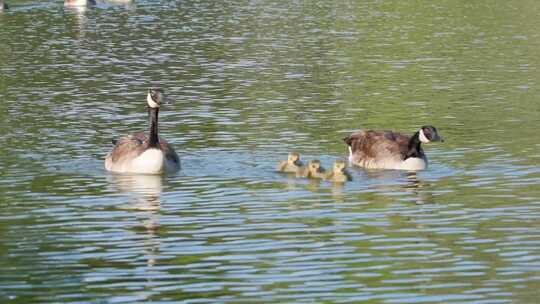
(141, 153)
(390, 150)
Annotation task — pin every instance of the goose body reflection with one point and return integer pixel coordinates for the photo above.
(390, 150)
(144, 193)
(144, 188)
(3, 5)
(79, 2)
(142, 153)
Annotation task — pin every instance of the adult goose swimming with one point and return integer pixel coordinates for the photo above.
(390, 150)
(142, 153)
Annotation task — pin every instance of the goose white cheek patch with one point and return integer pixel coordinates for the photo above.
(151, 102)
(423, 137)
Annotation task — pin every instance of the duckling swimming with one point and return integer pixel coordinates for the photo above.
(339, 173)
(312, 170)
(291, 165)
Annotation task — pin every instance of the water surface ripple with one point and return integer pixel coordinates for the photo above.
(248, 82)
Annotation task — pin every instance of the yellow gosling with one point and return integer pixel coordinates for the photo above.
(313, 170)
(339, 173)
(291, 165)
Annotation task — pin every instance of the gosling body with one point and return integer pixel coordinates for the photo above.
(390, 150)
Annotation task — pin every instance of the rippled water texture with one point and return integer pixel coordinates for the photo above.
(250, 81)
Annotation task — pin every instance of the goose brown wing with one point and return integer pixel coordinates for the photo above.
(129, 147)
(397, 143)
(370, 144)
(133, 145)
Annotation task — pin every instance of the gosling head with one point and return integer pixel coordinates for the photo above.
(154, 97)
(339, 166)
(314, 166)
(293, 157)
(429, 134)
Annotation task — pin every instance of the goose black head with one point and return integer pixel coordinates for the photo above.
(154, 97)
(429, 134)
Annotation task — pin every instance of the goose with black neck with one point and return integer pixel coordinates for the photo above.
(142, 153)
(390, 150)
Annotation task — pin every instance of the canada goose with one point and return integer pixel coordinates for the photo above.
(339, 173)
(291, 165)
(141, 153)
(79, 2)
(3, 5)
(390, 150)
(312, 170)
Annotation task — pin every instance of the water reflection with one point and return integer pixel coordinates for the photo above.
(125, 3)
(80, 18)
(79, 3)
(407, 186)
(417, 187)
(144, 194)
(143, 189)
(228, 228)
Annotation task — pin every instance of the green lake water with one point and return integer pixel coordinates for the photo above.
(250, 81)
